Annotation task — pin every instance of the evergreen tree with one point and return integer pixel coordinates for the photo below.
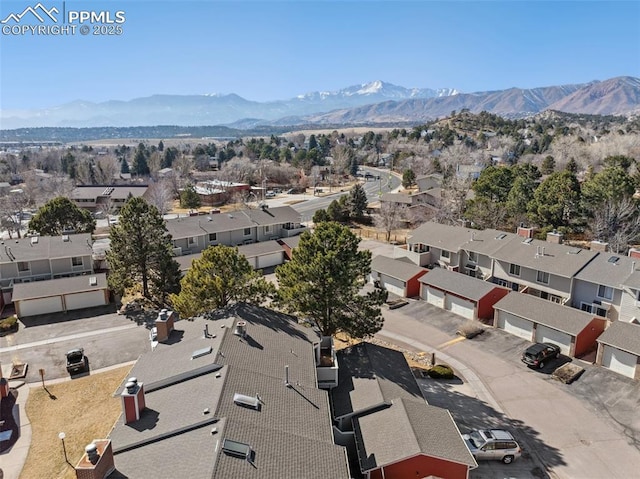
(220, 277)
(189, 198)
(408, 178)
(61, 214)
(323, 280)
(141, 252)
(124, 166)
(357, 201)
(140, 166)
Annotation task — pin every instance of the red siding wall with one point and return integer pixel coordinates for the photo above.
(413, 285)
(485, 305)
(422, 466)
(586, 339)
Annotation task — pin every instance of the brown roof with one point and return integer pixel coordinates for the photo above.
(57, 287)
(406, 429)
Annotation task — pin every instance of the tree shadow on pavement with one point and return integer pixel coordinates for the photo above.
(471, 413)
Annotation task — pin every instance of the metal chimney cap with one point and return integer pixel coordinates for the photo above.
(133, 380)
(91, 448)
(131, 387)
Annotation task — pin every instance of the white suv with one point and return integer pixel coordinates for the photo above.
(493, 444)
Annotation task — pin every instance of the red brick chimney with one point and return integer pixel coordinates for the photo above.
(97, 460)
(525, 232)
(4, 387)
(634, 253)
(132, 400)
(164, 325)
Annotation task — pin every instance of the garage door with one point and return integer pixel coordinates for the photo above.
(553, 336)
(392, 285)
(87, 299)
(619, 361)
(434, 296)
(459, 306)
(32, 307)
(269, 260)
(515, 325)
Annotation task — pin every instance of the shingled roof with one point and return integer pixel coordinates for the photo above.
(545, 312)
(621, 335)
(458, 284)
(406, 429)
(371, 376)
(395, 268)
(191, 410)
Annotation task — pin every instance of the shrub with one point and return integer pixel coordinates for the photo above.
(8, 324)
(441, 371)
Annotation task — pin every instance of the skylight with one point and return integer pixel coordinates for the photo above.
(201, 352)
(501, 236)
(613, 260)
(528, 241)
(235, 448)
(247, 401)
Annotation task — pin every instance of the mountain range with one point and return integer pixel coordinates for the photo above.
(368, 103)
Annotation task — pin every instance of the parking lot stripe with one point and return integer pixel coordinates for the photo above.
(67, 338)
(450, 342)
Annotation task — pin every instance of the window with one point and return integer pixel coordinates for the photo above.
(267, 229)
(191, 240)
(514, 269)
(473, 256)
(76, 261)
(445, 254)
(23, 266)
(247, 231)
(213, 237)
(605, 292)
(542, 277)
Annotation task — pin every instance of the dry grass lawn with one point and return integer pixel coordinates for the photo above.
(83, 408)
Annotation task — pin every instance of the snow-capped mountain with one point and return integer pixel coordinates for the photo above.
(380, 90)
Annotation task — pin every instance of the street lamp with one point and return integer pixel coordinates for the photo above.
(61, 436)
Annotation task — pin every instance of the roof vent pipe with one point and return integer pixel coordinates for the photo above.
(286, 376)
(92, 453)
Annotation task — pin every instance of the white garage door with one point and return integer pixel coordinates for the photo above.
(619, 361)
(87, 299)
(434, 296)
(459, 306)
(269, 260)
(515, 325)
(393, 285)
(553, 336)
(31, 307)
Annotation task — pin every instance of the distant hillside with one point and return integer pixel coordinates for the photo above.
(367, 104)
(617, 96)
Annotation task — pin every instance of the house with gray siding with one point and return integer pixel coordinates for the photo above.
(602, 287)
(40, 258)
(193, 234)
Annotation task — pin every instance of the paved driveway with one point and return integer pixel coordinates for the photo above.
(572, 435)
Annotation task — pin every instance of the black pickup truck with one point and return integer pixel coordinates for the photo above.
(76, 361)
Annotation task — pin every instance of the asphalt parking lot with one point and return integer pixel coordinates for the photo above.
(589, 428)
(107, 338)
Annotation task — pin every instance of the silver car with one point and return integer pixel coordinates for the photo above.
(493, 444)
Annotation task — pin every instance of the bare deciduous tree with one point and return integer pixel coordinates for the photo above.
(105, 169)
(160, 195)
(390, 217)
(617, 223)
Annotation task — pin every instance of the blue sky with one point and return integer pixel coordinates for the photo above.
(268, 50)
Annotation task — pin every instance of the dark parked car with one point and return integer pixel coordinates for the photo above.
(537, 354)
(76, 361)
